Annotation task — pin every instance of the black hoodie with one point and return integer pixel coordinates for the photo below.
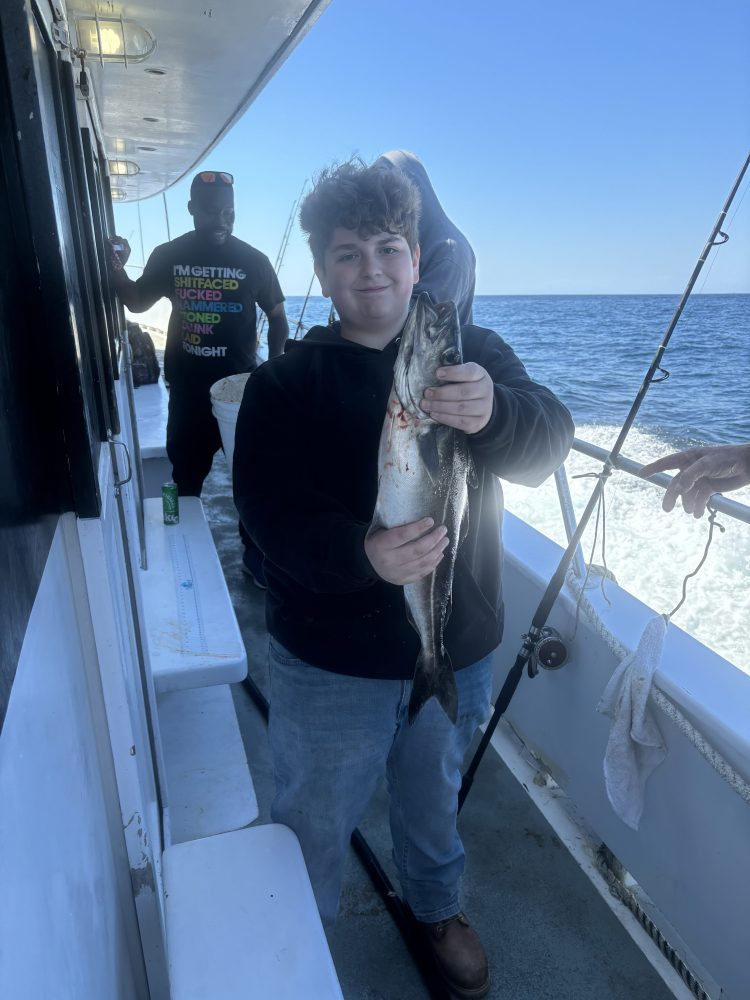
(446, 263)
(305, 485)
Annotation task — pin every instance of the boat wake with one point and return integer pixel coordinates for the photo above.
(651, 552)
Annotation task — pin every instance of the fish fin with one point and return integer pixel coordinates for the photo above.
(429, 681)
(463, 528)
(429, 453)
(471, 471)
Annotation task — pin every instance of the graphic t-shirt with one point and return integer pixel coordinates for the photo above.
(214, 291)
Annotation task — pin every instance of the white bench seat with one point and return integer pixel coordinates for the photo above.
(191, 629)
(151, 409)
(242, 921)
(209, 786)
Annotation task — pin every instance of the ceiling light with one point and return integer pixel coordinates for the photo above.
(123, 168)
(112, 39)
(118, 194)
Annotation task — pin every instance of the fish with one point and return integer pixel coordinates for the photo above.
(424, 470)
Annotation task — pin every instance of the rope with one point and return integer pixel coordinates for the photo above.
(627, 898)
(712, 523)
(699, 741)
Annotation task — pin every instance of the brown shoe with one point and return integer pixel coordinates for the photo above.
(459, 955)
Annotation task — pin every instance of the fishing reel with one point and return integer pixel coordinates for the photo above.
(547, 650)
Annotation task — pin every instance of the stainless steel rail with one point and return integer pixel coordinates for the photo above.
(732, 508)
(569, 518)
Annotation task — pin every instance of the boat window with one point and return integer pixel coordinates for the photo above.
(74, 326)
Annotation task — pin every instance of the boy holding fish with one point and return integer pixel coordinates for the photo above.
(344, 634)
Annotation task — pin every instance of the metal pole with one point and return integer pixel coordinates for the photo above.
(569, 517)
(166, 214)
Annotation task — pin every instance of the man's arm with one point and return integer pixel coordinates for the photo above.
(703, 472)
(278, 330)
(136, 295)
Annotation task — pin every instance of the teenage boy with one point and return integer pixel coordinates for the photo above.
(342, 651)
(214, 281)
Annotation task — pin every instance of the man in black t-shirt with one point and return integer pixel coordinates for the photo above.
(214, 281)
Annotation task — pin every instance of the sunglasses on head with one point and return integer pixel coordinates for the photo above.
(215, 177)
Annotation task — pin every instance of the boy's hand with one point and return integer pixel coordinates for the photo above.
(407, 553)
(464, 401)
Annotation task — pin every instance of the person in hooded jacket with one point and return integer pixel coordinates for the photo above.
(342, 650)
(447, 264)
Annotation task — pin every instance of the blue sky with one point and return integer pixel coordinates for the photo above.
(583, 147)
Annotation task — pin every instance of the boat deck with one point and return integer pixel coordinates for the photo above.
(547, 931)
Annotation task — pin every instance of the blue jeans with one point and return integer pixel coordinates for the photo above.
(334, 737)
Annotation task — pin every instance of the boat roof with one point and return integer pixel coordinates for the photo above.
(164, 114)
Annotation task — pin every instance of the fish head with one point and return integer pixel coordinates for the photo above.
(431, 339)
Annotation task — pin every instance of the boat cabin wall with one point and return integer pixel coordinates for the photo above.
(690, 851)
(68, 918)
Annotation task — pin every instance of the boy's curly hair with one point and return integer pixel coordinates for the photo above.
(366, 199)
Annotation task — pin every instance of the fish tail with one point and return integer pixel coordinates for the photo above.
(433, 676)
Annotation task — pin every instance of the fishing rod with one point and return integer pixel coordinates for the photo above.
(282, 248)
(304, 306)
(535, 634)
(288, 230)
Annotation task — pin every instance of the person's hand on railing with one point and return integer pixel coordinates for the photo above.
(703, 472)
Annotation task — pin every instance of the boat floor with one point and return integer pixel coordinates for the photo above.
(547, 931)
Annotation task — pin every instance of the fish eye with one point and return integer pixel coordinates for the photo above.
(450, 356)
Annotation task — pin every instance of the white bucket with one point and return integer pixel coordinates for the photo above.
(226, 396)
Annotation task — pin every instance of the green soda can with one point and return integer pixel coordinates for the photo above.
(170, 503)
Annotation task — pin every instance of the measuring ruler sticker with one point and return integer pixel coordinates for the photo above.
(188, 596)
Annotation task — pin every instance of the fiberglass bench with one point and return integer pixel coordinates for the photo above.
(209, 787)
(192, 644)
(192, 632)
(151, 407)
(242, 921)
(241, 918)
(195, 650)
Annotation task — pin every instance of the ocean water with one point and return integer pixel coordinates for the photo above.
(594, 352)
